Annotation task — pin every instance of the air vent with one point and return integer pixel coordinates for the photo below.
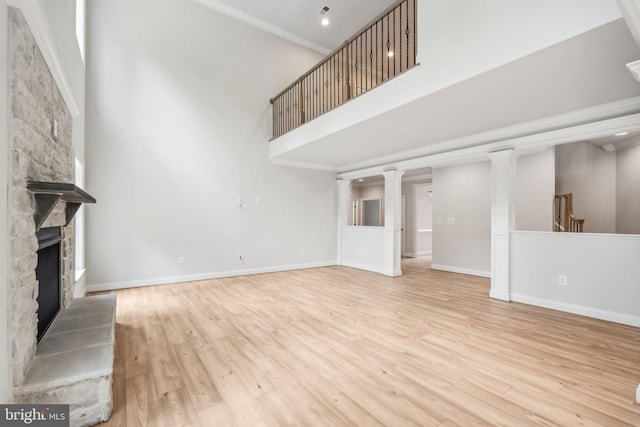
(324, 10)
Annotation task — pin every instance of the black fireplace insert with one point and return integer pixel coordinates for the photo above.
(48, 276)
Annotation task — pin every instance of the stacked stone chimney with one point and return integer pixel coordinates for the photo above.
(36, 155)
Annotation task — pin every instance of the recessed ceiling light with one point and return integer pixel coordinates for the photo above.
(325, 21)
(360, 180)
(390, 53)
(622, 133)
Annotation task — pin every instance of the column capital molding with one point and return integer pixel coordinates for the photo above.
(393, 173)
(343, 182)
(501, 155)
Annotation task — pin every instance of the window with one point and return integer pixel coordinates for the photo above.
(79, 226)
(81, 26)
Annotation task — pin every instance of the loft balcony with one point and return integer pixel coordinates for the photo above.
(381, 51)
(461, 78)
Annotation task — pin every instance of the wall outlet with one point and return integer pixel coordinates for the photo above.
(54, 129)
(181, 260)
(257, 201)
(240, 202)
(562, 280)
(241, 257)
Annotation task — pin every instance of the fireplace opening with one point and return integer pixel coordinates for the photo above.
(48, 276)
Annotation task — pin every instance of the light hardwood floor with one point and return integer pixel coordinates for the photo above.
(342, 347)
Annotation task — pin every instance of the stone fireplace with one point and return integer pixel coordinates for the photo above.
(34, 103)
(73, 362)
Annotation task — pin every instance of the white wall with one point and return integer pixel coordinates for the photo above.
(4, 235)
(602, 273)
(363, 248)
(534, 191)
(178, 120)
(424, 220)
(462, 194)
(589, 173)
(369, 192)
(407, 191)
(628, 190)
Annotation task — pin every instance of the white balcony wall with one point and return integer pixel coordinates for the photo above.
(459, 39)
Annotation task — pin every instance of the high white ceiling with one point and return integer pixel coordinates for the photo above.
(299, 20)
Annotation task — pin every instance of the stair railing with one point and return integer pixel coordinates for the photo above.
(564, 220)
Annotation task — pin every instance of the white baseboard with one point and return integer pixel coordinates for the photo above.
(395, 273)
(362, 267)
(424, 253)
(460, 270)
(596, 313)
(408, 255)
(96, 287)
(504, 296)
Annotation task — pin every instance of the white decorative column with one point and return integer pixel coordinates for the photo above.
(392, 222)
(344, 210)
(502, 181)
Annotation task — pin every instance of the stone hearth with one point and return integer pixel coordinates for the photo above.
(74, 361)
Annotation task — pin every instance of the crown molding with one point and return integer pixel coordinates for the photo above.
(262, 25)
(541, 140)
(304, 165)
(39, 26)
(626, 143)
(413, 178)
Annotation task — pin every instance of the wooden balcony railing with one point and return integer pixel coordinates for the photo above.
(381, 51)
